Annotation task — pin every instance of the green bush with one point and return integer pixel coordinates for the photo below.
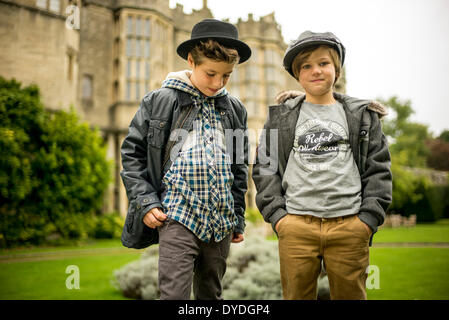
(108, 226)
(253, 215)
(415, 193)
(53, 169)
(432, 205)
(252, 273)
(407, 189)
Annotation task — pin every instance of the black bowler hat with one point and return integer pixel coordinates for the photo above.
(224, 33)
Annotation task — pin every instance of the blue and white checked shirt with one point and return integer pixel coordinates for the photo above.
(198, 183)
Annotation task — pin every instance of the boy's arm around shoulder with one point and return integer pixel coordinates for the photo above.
(376, 177)
(142, 194)
(270, 198)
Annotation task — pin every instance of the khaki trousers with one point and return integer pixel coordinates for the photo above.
(343, 244)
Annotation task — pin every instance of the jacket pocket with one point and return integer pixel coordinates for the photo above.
(157, 133)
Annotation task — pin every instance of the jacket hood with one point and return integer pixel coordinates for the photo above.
(180, 80)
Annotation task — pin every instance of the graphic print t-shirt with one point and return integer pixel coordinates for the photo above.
(321, 177)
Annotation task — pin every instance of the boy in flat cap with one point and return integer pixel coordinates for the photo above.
(185, 184)
(332, 184)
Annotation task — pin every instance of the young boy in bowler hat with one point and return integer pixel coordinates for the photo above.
(333, 182)
(185, 186)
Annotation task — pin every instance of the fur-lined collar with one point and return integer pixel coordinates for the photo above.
(373, 105)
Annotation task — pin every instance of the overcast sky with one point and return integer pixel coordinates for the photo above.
(393, 47)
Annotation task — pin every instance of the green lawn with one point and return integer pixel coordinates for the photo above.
(437, 232)
(411, 273)
(47, 279)
(40, 273)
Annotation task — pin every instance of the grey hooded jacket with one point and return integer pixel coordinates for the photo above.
(143, 153)
(366, 139)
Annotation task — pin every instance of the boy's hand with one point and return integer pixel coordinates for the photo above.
(154, 218)
(285, 95)
(237, 237)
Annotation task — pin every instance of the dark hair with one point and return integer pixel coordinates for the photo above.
(213, 50)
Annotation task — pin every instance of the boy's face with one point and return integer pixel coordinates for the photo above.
(210, 76)
(317, 76)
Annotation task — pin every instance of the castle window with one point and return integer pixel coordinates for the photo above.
(54, 5)
(129, 47)
(147, 48)
(87, 87)
(251, 72)
(137, 91)
(41, 4)
(252, 90)
(147, 71)
(129, 29)
(147, 28)
(128, 90)
(270, 74)
(271, 93)
(128, 69)
(138, 27)
(254, 55)
(138, 48)
(137, 69)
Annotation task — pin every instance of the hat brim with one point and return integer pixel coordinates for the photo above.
(290, 56)
(242, 48)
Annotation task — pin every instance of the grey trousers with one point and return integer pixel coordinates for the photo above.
(185, 260)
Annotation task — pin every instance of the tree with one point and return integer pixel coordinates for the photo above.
(408, 139)
(444, 136)
(438, 158)
(52, 167)
(21, 123)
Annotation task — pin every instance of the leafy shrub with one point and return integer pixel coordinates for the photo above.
(406, 189)
(253, 215)
(108, 226)
(252, 272)
(53, 169)
(139, 279)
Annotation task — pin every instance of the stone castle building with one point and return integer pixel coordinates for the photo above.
(101, 57)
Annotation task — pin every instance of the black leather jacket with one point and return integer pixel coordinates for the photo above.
(143, 157)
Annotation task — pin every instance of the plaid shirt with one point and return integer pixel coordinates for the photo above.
(199, 181)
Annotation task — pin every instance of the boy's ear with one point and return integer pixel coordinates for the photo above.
(190, 60)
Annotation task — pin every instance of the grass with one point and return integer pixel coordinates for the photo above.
(47, 279)
(411, 273)
(437, 232)
(89, 243)
(40, 272)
